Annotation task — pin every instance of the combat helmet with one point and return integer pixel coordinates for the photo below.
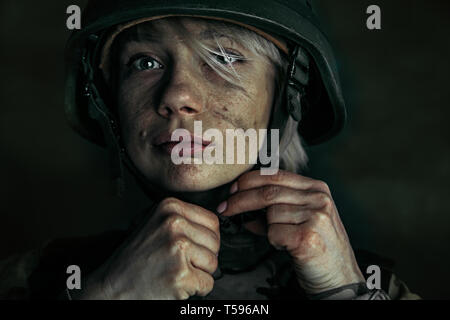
(319, 106)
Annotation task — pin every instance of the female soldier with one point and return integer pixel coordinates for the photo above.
(139, 71)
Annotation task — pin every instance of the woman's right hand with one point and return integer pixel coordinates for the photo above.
(172, 256)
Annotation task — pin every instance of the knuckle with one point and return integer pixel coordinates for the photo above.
(180, 244)
(179, 288)
(170, 204)
(181, 295)
(270, 192)
(215, 223)
(279, 176)
(322, 216)
(321, 185)
(205, 285)
(177, 283)
(174, 222)
(325, 200)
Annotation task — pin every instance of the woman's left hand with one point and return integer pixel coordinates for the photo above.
(302, 219)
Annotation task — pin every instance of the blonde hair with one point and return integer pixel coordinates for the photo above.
(293, 156)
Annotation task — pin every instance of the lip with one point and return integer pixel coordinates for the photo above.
(164, 142)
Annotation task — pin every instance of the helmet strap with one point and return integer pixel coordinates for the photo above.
(292, 98)
(298, 77)
(107, 121)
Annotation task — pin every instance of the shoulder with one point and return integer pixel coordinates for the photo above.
(389, 281)
(42, 273)
(14, 273)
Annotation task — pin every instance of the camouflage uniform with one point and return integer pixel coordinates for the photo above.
(41, 274)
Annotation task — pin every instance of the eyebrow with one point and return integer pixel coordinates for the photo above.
(209, 34)
(146, 35)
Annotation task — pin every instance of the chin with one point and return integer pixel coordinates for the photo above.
(197, 178)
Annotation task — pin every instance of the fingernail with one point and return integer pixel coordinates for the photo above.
(234, 188)
(222, 207)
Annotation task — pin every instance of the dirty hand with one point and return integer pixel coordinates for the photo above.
(302, 219)
(172, 256)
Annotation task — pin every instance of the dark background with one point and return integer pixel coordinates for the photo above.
(389, 170)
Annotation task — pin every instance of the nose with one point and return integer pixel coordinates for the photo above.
(181, 95)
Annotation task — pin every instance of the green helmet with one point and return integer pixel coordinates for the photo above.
(319, 106)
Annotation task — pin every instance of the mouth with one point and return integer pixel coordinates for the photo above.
(188, 143)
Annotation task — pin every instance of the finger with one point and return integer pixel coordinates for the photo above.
(191, 212)
(203, 236)
(300, 241)
(254, 179)
(288, 214)
(177, 224)
(202, 258)
(195, 282)
(259, 198)
(283, 236)
(204, 283)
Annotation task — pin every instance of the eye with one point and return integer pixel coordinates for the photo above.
(227, 58)
(142, 63)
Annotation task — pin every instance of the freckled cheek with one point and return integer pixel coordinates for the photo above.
(131, 93)
(241, 110)
(134, 134)
(135, 115)
(259, 108)
(127, 99)
(244, 111)
(265, 106)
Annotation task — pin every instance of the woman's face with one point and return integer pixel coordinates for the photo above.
(164, 85)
